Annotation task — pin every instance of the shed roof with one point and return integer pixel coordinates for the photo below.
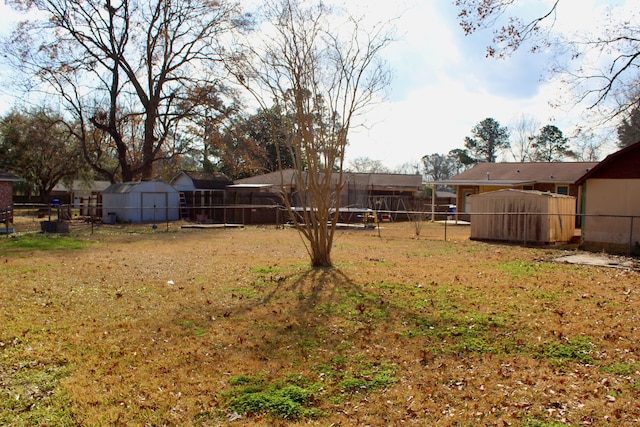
(623, 164)
(521, 173)
(147, 186)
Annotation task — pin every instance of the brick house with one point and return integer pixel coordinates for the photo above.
(551, 177)
(6, 196)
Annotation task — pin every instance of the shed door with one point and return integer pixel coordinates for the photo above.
(154, 207)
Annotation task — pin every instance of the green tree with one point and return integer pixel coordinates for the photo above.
(37, 145)
(550, 145)
(268, 129)
(487, 139)
(460, 160)
(629, 129)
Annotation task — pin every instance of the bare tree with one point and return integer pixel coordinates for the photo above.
(588, 147)
(321, 74)
(522, 131)
(115, 63)
(367, 165)
(437, 167)
(605, 59)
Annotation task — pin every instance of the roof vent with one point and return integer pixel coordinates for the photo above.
(488, 176)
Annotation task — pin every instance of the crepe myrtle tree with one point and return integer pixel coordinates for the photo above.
(319, 71)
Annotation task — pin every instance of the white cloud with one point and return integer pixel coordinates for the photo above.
(444, 85)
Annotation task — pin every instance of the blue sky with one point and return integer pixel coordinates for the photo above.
(444, 85)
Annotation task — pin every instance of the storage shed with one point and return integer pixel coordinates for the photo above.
(140, 202)
(529, 217)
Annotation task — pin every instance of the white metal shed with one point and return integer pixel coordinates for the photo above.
(140, 202)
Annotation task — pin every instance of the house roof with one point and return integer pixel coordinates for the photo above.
(79, 186)
(207, 180)
(8, 176)
(623, 164)
(509, 174)
(511, 192)
(287, 177)
(373, 180)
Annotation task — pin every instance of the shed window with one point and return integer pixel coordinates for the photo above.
(562, 189)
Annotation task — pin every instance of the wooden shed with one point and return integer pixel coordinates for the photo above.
(140, 202)
(529, 217)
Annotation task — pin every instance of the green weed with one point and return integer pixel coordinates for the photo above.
(534, 422)
(620, 368)
(30, 394)
(522, 269)
(576, 349)
(253, 396)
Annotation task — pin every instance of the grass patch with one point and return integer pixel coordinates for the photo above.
(40, 242)
(536, 422)
(521, 269)
(253, 396)
(621, 368)
(30, 393)
(577, 349)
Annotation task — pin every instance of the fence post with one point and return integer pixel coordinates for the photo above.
(446, 220)
(631, 237)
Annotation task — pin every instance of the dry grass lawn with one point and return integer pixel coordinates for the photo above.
(178, 327)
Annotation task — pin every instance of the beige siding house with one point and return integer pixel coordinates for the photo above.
(611, 203)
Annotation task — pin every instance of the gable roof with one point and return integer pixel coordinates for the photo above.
(623, 164)
(272, 178)
(206, 180)
(379, 181)
(499, 174)
(8, 176)
(139, 186)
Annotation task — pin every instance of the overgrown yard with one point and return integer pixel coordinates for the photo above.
(182, 327)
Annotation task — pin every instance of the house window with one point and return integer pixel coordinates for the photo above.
(562, 189)
(527, 187)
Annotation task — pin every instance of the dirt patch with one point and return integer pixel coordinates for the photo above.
(600, 259)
